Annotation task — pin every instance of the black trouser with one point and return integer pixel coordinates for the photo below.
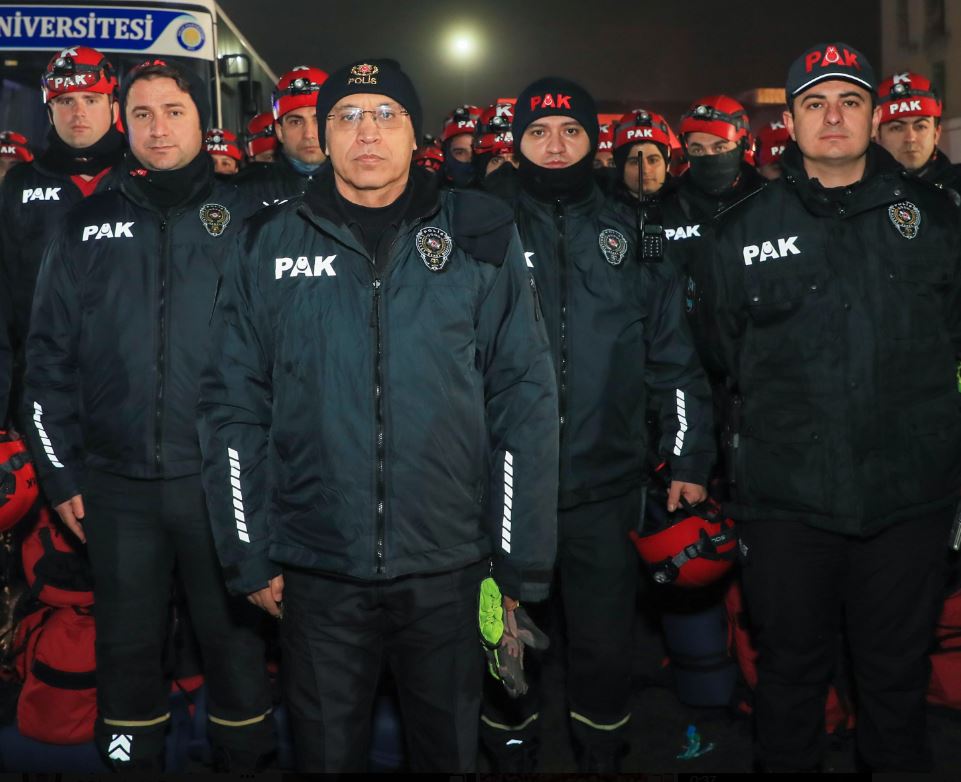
(336, 636)
(802, 585)
(598, 570)
(136, 532)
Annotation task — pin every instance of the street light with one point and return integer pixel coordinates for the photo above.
(463, 46)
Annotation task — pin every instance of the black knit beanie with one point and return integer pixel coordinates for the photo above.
(554, 96)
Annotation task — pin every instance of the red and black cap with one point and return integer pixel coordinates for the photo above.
(430, 157)
(605, 136)
(297, 88)
(771, 140)
(554, 96)
(719, 115)
(260, 134)
(78, 69)
(908, 95)
(461, 121)
(14, 146)
(828, 62)
(218, 141)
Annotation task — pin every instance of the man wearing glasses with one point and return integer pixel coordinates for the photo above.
(365, 512)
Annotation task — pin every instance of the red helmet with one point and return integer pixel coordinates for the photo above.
(493, 132)
(18, 481)
(770, 143)
(78, 69)
(908, 95)
(297, 88)
(692, 547)
(718, 115)
(430, 157)
(640, 126)
(218, 141)
(260, 134)
(605, 136)
(461, 120)
(13, 145)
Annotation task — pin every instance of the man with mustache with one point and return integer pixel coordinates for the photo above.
(379, 423)
(833, 304)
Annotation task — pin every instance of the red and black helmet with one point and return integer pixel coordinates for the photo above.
(605, 136)
(78, 69)
(18, 481)
(640, 127)
(460, 121)
(297, 88)
(493, 132)
(260, 134)
(692, 547)
(908, 95)
(218, 141)
(720, 116)
(430, 157)
(771, 140)
(14, 146)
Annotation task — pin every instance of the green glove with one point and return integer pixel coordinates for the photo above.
(504, 634)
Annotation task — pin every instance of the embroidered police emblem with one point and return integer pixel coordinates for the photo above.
(906, 217)
(434, 246)
(215, 218)
(613, 245)
(363, 74)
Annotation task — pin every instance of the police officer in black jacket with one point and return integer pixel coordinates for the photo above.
(835, 304)
(617, 329)
(379, 428)
(118, 339)
(79, 88)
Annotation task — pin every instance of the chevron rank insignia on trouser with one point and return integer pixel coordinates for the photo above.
(119, 748)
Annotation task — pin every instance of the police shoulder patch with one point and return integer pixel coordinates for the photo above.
(906, 217)
(434, 245)
(613, 244)
(215, 218)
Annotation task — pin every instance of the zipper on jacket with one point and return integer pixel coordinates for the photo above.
(561, 226)
(162, 337)
(381, 498)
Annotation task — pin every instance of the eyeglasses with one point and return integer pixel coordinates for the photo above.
(385, 117)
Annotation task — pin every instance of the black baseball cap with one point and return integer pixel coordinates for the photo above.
(827, 62)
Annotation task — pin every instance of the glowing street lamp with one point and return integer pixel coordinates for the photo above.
(463, 47)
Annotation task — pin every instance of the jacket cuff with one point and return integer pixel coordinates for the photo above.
(59, 486)
(525, 586)
(251, 575)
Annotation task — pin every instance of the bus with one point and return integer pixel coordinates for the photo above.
(195, 33)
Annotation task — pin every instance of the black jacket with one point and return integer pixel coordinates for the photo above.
(838, 316)
(374, 426)
(119, 335)
(941, 171)
(271, 183)
(34, 199)
(617, 332)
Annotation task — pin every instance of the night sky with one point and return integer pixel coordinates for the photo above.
(633, 50)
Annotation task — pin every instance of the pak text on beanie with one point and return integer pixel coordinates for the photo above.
(554, 96)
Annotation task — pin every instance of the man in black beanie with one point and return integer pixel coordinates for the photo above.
(617, 331)
(79, 89)
(379, 423)
(117, 342)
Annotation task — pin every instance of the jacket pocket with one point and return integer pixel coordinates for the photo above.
(913, 285)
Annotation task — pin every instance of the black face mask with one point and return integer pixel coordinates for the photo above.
(557, 184)
(103, 153)
(716, 174)
(459, 173)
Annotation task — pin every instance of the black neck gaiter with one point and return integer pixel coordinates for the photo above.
(570, 184)
(167, 189)
(105, 153)
(716, 174)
